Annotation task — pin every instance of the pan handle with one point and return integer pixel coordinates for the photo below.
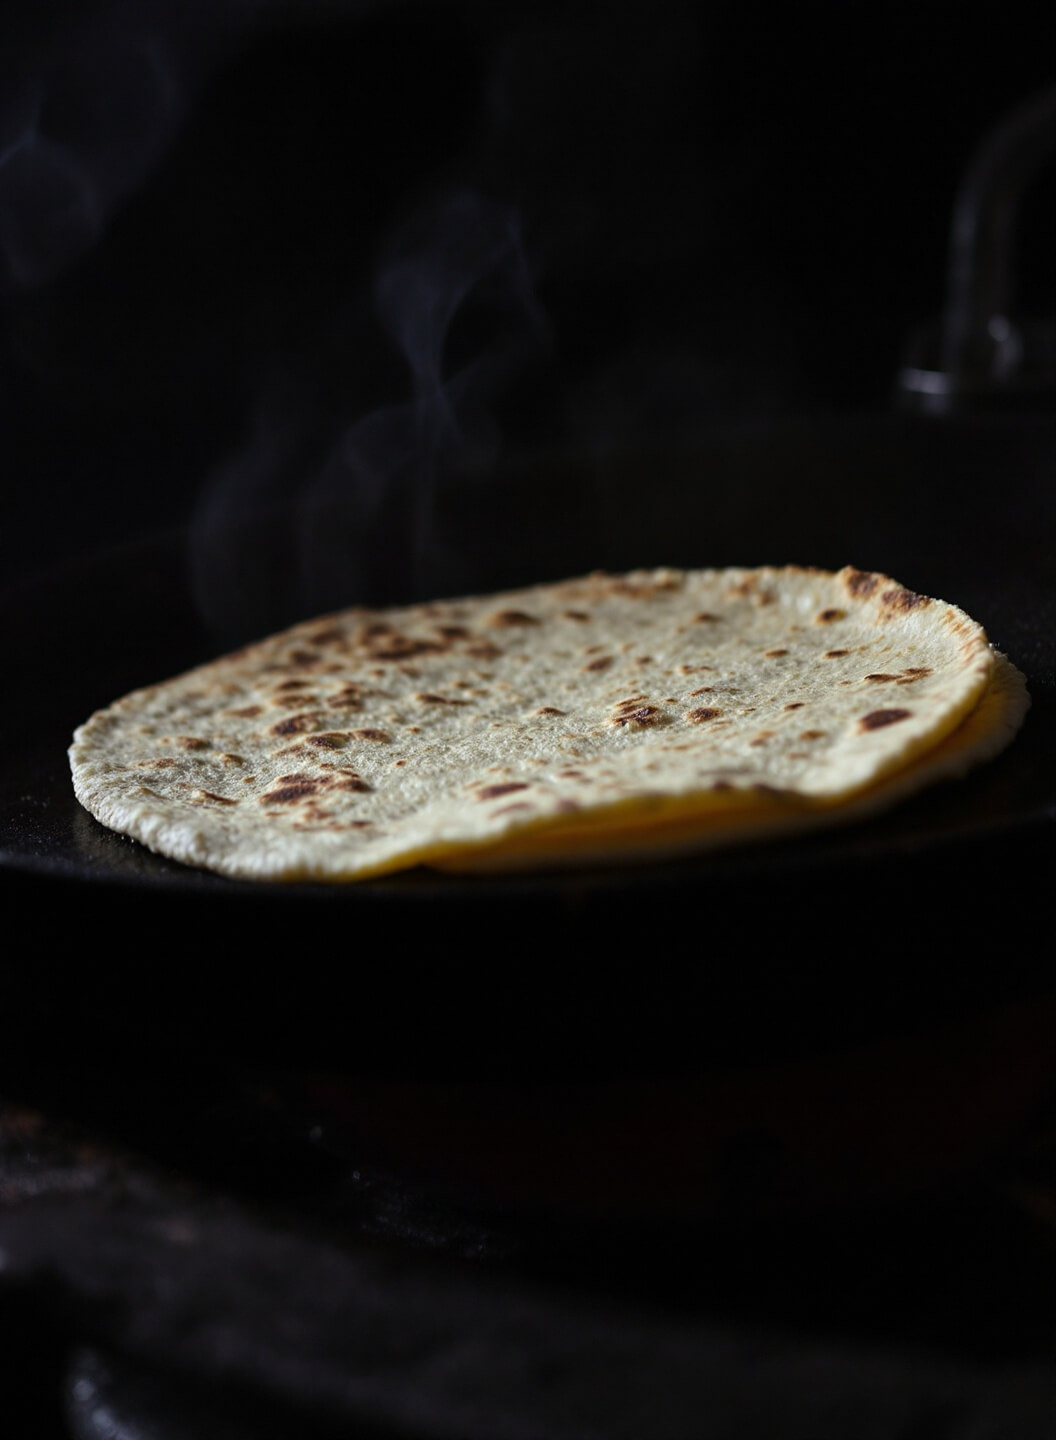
(978, 357)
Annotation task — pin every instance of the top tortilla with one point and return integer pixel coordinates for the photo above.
(507, 727)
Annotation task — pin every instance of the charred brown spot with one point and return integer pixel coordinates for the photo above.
(774, 654)
(794, 705)
(215, 799)
(745, 586)
(452, 632)
(394, 646)
(247, 712)
(427, 697)
(877, 719)
(293, 702)
(901, 600)
(329, 636)
(329, 740)
(704, 690)
(812, 735)
(293, 790)
(881, 679)
(835, 654)
(381, 736)
(762, 737)
(911, 676)
(296, 724)
(637, 718)
(581, 616)
(600, 662)
(492, 792)
(507, 619)
(348, 698)
(827, 617)
(294, 685)
(705, 617)
(483, 650)
(766, 597)
(699, 716)
(549, 710)
(305, 659)
(355, 784)
(860, 583)
(189, 742)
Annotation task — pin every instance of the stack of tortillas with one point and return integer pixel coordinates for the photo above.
(605, 717)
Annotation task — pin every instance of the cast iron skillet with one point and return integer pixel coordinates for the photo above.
(784, 949)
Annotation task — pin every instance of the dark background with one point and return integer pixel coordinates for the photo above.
(252, 252)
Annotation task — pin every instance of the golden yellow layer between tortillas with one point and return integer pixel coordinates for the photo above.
(609, 716)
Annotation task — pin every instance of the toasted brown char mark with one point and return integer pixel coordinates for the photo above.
(795, 705)
(580, 616)
(297, 724)
(427, 697)
(636, 719)
(329, 740)
(644, 589)
(812, 735)
(705, 617)
(877, 719)
(702, 714)
(247, 712)
(349, 697)
(882, 678)
(382, 737)
(773, 654)
(492, 792)
(215, 799)
(549, 710)
(834, 654)
(291, 790)
(860, 583)
(704, 690)
(829, 616)
(600, 662)
(900, 601)
(330, 636)
(509, 619)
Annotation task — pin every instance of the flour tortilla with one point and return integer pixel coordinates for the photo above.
(609, 717)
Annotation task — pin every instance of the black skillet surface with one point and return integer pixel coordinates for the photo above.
(939, 908)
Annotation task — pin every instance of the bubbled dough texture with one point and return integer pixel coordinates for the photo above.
(368, 741)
